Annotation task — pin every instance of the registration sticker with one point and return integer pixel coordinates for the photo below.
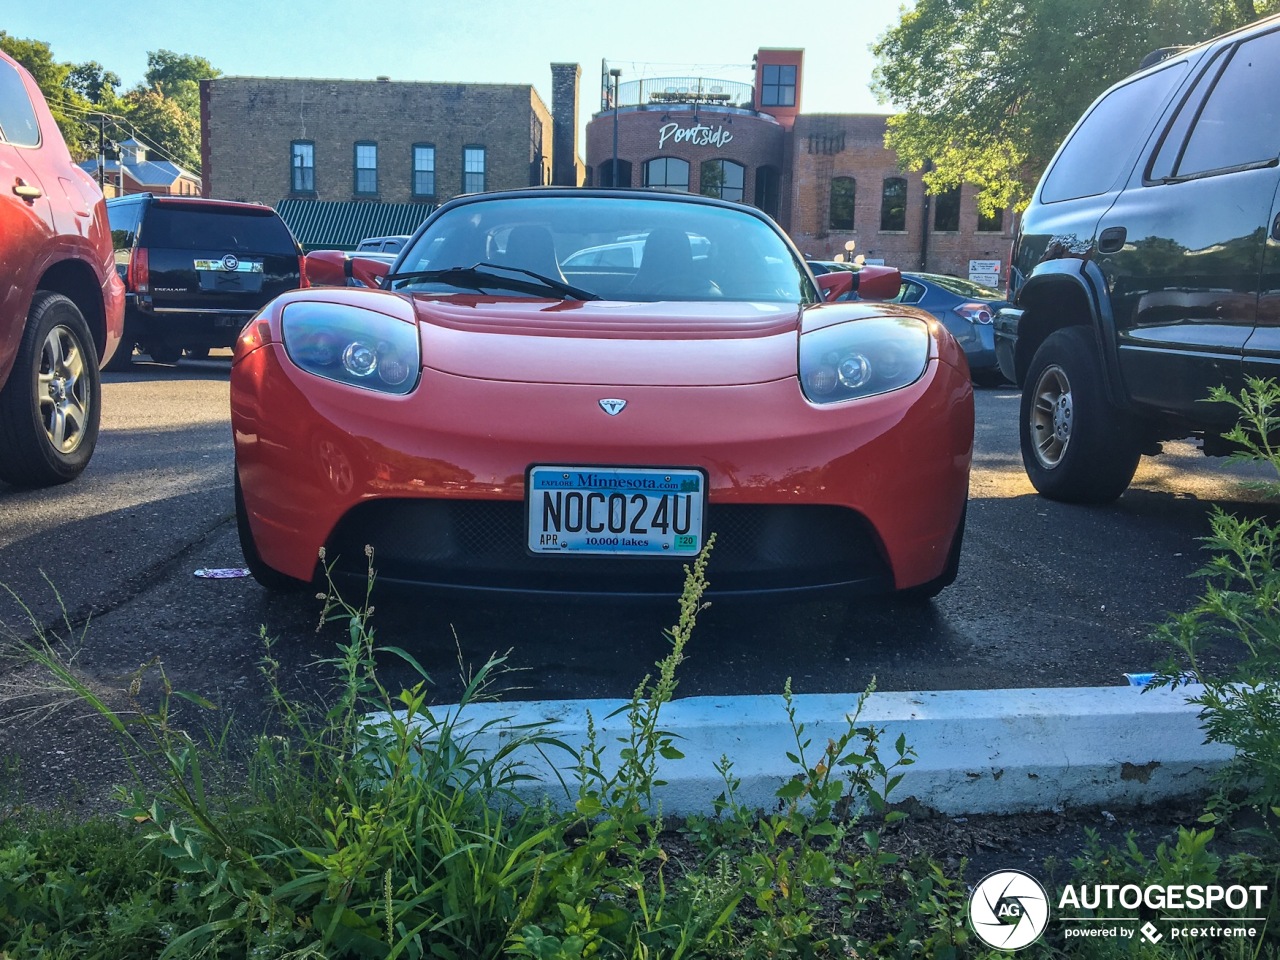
(631, 511)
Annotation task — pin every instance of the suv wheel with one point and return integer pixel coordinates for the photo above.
(1076, 446)
(165, 353)
(50, 406)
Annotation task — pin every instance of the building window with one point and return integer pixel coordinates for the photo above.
(768, 190)
(991, 224)
(723, 179)
(302, 167)
(624, 174)
(473, 171)
(778, 85)
(366, 168)
(946, 211)
(893, 205)
(424, 170)
(669, 172)
(843, 193)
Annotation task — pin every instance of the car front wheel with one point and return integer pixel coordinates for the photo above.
(50, 405)
(1077, 446)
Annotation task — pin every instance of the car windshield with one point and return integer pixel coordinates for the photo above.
(633, 248)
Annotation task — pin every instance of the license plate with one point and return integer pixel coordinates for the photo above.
(628, 511)
(229, 265)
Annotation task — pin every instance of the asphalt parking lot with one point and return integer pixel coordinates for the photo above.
(1048, 594)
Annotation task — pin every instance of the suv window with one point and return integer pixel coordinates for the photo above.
(185, 228)
(18, 124)
(1089, 162)
(124, 217)
(1239, 123)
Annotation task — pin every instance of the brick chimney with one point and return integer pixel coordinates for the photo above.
(566, 169)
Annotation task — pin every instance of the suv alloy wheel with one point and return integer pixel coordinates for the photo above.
(1076, 446)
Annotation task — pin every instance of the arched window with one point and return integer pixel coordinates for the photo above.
(722, 178)
(669, 172)
(893, 205)
(768, 190)
(843, 193)
(624, 174)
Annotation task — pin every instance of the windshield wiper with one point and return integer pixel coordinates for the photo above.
(478, 277)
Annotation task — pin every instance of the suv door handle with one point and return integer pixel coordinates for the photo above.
(1111, 240)
(26, 191)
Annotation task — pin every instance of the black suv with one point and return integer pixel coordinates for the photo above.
(196, 270)
(1147, 268)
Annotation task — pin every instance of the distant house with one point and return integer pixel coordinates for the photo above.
(134, 173)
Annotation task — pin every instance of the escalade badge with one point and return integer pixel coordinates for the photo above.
(612, 407)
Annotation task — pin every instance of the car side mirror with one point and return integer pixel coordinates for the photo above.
(367, 270)
(878, 283)
(837, 284)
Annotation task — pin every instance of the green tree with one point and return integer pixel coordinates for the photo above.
(162, 125)
(987, 89)
(178, 76)
(164, 110)
(67, 105)
(93, 81)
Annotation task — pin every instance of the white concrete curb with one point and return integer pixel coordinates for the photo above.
(978, 751)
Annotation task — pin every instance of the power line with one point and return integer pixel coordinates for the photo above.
(125, 125)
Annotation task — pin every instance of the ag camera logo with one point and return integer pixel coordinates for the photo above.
(1008, 910)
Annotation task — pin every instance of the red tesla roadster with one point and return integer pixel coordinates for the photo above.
(496, 413)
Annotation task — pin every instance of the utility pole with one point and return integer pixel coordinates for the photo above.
(102, 155)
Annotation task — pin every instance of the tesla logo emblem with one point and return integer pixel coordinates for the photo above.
(230, 262)
(612, 407)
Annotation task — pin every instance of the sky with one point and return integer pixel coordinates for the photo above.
(475, 41)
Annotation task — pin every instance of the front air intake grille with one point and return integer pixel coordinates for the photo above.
(481, 544)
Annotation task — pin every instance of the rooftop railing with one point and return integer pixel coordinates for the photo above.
(680, 90)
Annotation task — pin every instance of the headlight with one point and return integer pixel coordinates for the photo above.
(862, 358)
(358, 347)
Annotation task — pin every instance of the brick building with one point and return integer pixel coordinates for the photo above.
(268, 139)
(826, 178)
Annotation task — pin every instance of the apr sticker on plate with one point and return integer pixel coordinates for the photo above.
(634, 511)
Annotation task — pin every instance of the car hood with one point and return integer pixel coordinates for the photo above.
(609, 342)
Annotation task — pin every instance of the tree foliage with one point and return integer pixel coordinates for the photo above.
(987, 89)
(162, 112)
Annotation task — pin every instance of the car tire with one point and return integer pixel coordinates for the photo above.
(164, 353)
(51, 405)
(268, 577)
(1077, 446)
(196, 353)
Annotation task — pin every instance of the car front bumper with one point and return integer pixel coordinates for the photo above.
(866, 494)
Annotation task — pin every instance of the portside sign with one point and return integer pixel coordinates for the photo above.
(699, 135)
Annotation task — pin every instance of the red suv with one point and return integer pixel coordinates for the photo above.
(61, 300)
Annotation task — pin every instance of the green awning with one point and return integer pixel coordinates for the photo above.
(342, 224)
